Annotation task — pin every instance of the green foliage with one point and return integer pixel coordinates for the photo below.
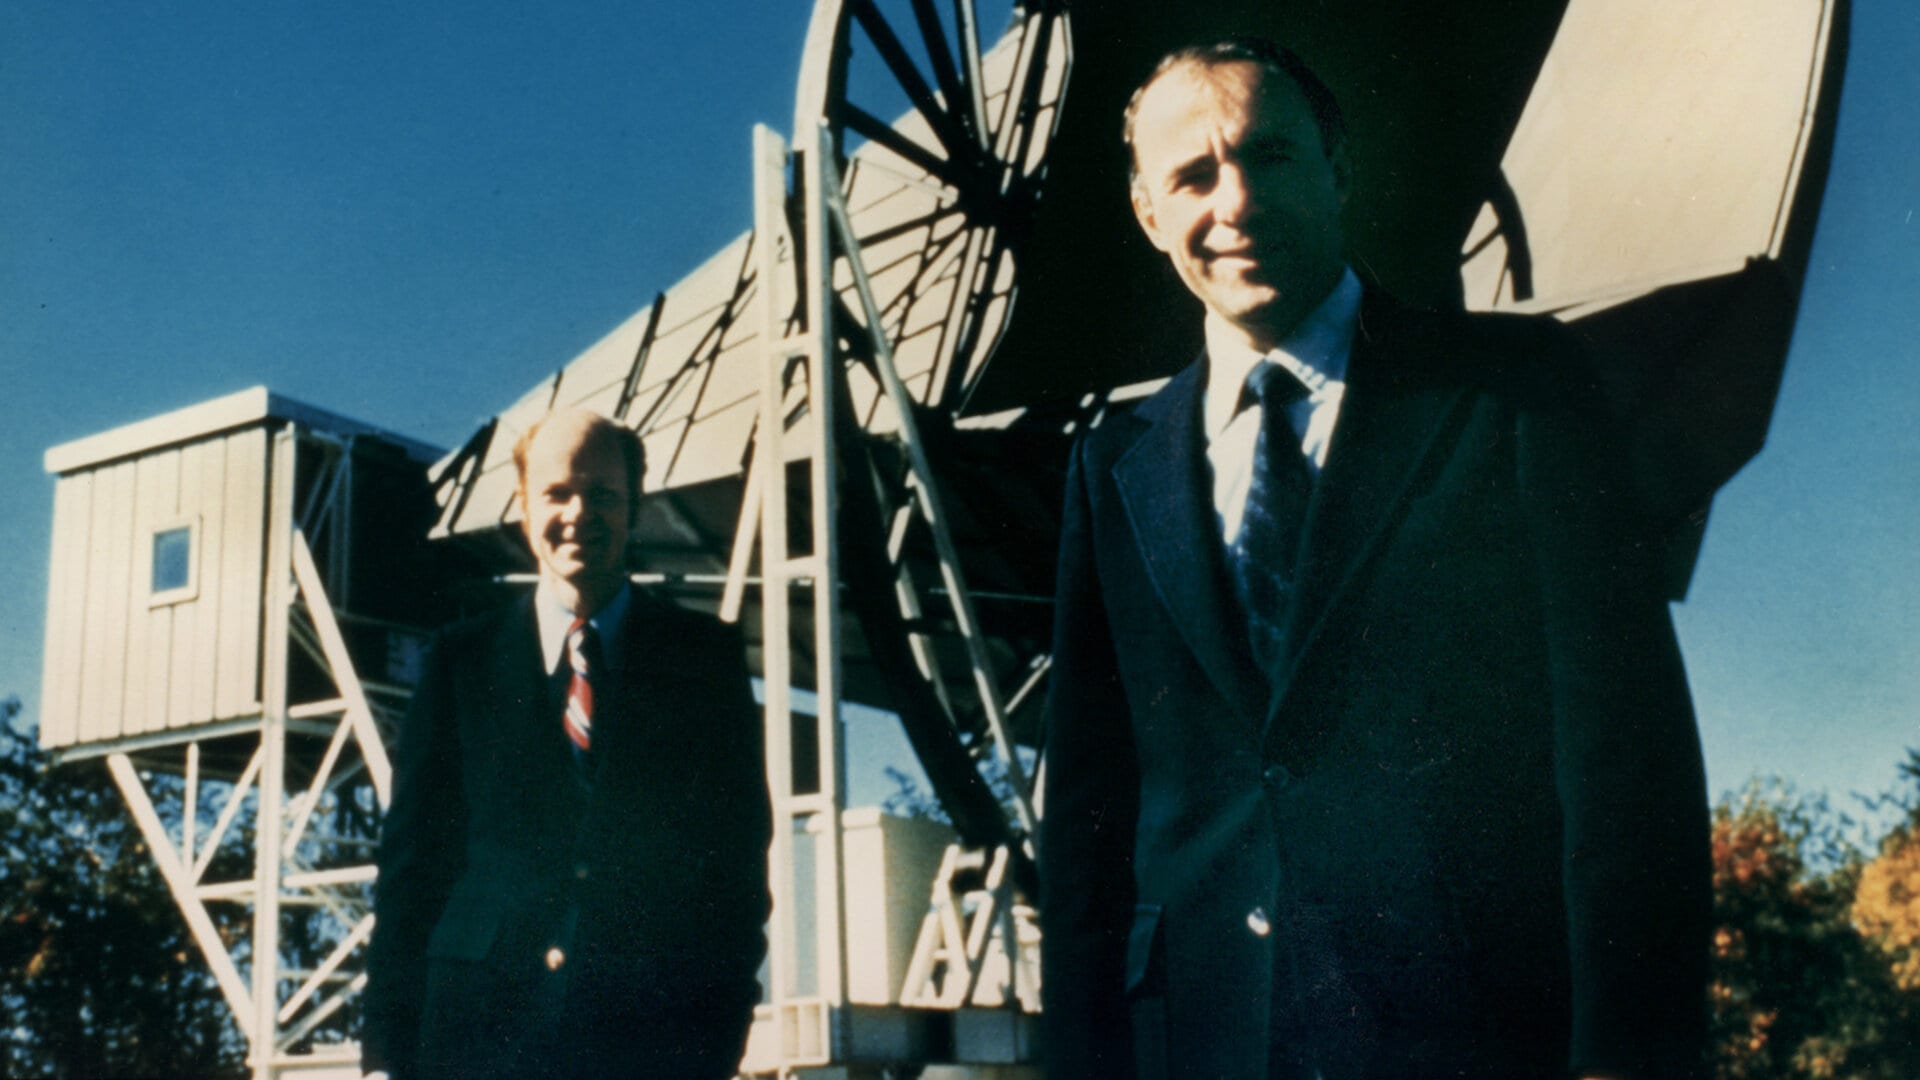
(1798, 990)
(98, 975)
(910, 800)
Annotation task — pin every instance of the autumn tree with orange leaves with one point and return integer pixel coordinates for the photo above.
(1886, 903)
(1815, 967)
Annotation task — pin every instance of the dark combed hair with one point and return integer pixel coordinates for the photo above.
(1252, 50)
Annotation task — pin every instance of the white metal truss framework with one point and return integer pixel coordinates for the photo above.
(807, 1016)
(306, 796)
(978, 944)
(803, 416)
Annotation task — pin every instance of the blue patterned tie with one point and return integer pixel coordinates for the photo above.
(1262, 554)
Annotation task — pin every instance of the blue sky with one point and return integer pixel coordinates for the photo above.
(410, 213)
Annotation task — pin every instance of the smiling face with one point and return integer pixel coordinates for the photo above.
(1233, 183)
(577, 508)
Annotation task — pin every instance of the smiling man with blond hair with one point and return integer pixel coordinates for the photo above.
(573, 876)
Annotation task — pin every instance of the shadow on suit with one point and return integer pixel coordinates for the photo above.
(1461, 831)
(537, 921)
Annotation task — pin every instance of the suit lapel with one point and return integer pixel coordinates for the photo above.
(519, 698)
(517, 669)
(630, 710)
(1395, 420)
(1163, 483)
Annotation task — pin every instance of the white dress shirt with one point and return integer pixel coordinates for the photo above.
(1316, 353)
(555, 620)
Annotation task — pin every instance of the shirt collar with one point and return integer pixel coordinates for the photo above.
(555, 620)
(1322, 340)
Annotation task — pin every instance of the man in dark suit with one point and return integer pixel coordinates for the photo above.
(1369, 749)
(573, 876)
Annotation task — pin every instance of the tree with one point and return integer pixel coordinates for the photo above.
(1886, 905)
(910, 800)
(1798, 989)
(98, 975)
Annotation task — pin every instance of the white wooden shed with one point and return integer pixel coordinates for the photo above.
(162, 530)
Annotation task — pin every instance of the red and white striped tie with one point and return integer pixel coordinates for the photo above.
(579, 718)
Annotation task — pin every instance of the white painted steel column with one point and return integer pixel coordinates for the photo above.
(769, 482)
(821, 1009)
(822, 185)
(268, 816)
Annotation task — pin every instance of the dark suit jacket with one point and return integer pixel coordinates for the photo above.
(651, 880)
(1461, 832)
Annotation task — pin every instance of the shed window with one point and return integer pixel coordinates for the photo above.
(173, 564)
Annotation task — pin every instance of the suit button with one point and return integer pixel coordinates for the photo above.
(1258, 923)
(1276, 777)
(555, 958)
(580, 872)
